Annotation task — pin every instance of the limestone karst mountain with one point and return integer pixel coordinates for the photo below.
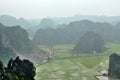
(14, 41)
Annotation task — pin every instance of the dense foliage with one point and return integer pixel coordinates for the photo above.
(114, 66)
(89, 43)
(17, 70)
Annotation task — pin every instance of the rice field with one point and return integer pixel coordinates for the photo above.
(72, 67)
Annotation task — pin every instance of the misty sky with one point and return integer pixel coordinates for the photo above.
(59, 8)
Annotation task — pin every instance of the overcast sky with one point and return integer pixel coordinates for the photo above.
(59, 8)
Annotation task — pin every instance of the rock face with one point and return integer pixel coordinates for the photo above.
(8, 20)
(14, 41)
(15, 37)
(5, 52)
(114, 66)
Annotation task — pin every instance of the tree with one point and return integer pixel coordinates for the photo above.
(89, 42)
(114, 66)
(17, 70)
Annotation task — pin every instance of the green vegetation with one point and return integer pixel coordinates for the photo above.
(91, 61)
(72, 67)
(14, 41)
(58, 47)
(71, 33)
(113, 47)
(64, 46)
(89, 43)
(114, 68)
(64, 64)
(64, 55)
(17, 70)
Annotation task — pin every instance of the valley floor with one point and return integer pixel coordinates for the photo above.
(79, 68)
(67, 66)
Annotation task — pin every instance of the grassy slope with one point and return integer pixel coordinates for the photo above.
(78, 68)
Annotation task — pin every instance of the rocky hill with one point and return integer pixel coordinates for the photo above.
(9, 21)
(71, 33)
(14, 41)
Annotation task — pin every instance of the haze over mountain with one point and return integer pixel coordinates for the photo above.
(70, 33)
(32, 25)
(65, 39)
(59, 8)
(14, 41)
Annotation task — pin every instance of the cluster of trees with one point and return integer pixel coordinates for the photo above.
(17, 70)
(114, 66)
(90, 43)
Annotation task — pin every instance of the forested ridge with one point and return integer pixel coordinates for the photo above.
(71, 33)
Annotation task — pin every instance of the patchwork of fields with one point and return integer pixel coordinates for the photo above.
(72, 67)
